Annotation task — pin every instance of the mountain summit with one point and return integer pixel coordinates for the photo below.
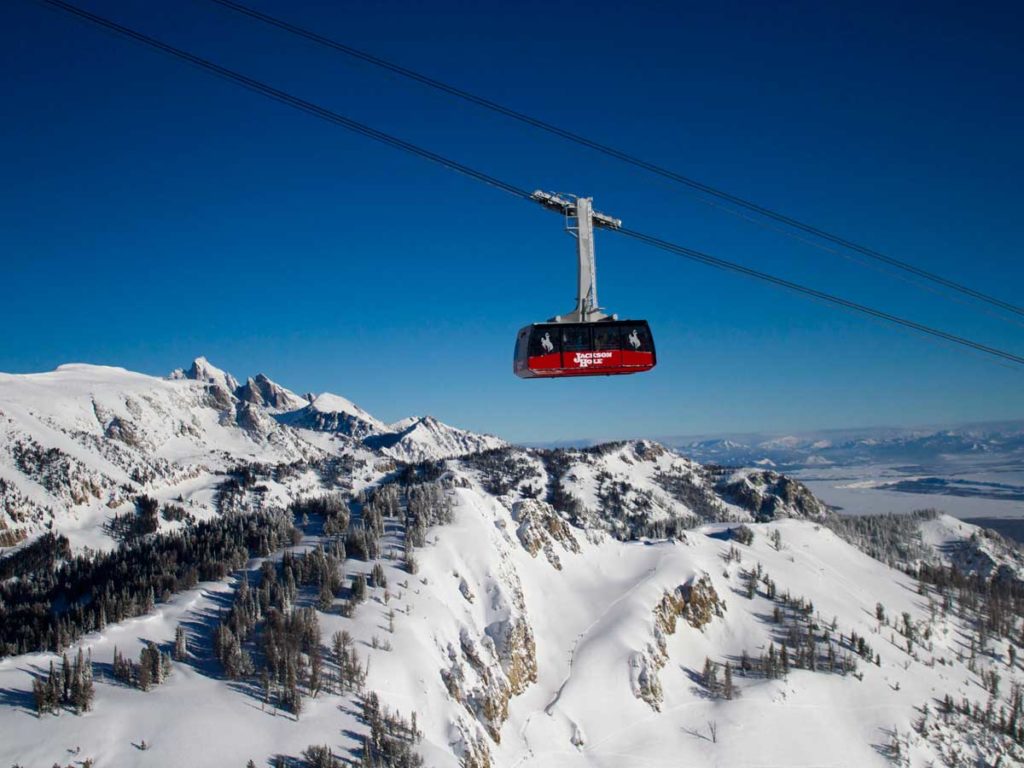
(203, 370)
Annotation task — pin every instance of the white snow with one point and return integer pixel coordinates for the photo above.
(591, 619)
(588, 620)
(330, 403)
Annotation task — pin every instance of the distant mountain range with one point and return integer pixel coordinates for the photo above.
(85, 434)
(1001, 441)
(932, 447)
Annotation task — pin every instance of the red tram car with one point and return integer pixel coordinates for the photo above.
(586, 341)
(600, 348)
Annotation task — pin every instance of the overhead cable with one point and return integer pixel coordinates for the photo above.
(392, 141)
(624, 156)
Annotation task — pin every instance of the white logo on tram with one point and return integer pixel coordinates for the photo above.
(587, 359)
(634, 339)
(545, 341)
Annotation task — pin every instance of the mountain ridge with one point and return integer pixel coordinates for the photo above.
(495, 607)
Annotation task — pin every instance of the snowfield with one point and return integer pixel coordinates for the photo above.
(562, 608)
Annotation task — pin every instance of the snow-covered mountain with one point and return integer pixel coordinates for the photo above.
(205, 371)
(423, 438)
(997, 440)
(333, 414)
(259, 390)
(312, 586)
(80, 441)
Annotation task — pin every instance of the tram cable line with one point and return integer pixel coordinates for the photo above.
(545, 199)
(286, 98)
(626, 157)
(714, 261)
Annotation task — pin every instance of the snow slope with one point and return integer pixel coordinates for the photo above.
(563, 617)
(590, 620)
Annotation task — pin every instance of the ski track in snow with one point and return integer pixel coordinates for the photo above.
(549, 707)
(579, 638)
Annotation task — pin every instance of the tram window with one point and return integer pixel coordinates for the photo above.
(636, 338)
(543, 341)
(576, 339)
(606, 338)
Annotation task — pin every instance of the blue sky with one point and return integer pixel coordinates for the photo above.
(152, 213)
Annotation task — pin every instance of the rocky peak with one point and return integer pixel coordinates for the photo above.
(203, 370)
(260, 390)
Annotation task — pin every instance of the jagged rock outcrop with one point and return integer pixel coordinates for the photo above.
(487, 668)
(261, 391)
(697, 603)
(484, 673)
(541, 528)
(203, 370)
(768, 495)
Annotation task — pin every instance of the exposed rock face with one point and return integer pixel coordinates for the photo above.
(261, 391)
(484, 675)
(540, 528)
(700, 602)
(486, 669)
(337, 422)
(61, 474)
(643, 677)
(203, 370)
(697, 603)
(124, 431)
(988, 554)
(648, 450)
(769, 495)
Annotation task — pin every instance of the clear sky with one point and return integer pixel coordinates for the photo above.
(151, 213)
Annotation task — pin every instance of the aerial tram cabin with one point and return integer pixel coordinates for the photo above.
(586, 341)
(602, 348)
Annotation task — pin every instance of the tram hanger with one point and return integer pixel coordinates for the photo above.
(585, 341)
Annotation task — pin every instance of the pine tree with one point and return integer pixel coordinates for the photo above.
(66, 674)
(377, 574)
(315, 672)
(180, 644)
(710, 674)
(40, 696)
(727, 688)
(88, 688)
(358, 588)
(751, 578)
(54, 688)
(145, 680)
(326, 599)
(150, 657)
(78, 673)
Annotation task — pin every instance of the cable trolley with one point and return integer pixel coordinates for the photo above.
(586, 341)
